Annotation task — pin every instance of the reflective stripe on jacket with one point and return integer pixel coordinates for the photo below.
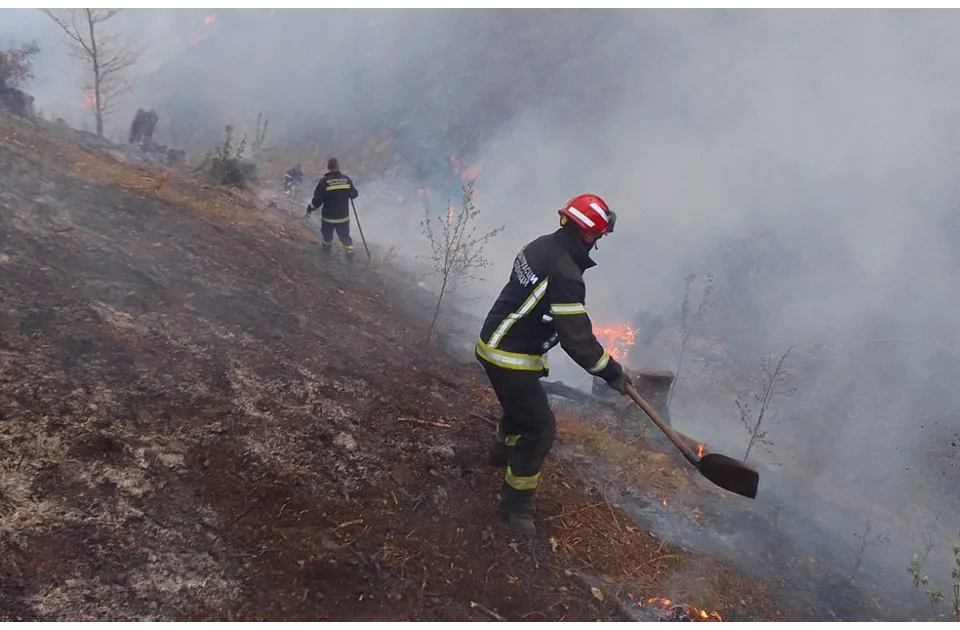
(332, 197)
(543, 305)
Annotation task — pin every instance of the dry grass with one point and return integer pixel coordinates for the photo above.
(188, 190)
(230, 440)
(637, 463)
(599, 539)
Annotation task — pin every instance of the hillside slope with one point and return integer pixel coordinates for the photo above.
(202, 419)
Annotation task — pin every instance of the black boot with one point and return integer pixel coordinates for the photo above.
(517, 507)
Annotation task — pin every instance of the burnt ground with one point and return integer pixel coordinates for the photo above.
(201, 419)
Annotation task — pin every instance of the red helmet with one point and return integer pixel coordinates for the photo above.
(590, 213)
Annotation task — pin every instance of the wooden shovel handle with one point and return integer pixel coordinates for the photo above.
(657, 420)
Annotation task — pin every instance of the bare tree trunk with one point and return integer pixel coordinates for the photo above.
(676, 375)
(763, 409)
(95, 60)
(436, 311)
(767, 395)
(753, 439)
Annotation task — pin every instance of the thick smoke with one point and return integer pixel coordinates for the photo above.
(821, 145)
(806, 159)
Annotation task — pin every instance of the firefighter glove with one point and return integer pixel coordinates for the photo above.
(620, 383)
(310, 209)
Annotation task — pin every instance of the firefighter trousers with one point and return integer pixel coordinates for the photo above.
(527, 429)
(343, 233)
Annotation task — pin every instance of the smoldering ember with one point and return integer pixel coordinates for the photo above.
(254, 365)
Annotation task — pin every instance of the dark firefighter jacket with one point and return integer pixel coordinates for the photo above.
(332, 196)
(294, 175)
(542, 305)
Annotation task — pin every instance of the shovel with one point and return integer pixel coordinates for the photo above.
(726, 472)
(357, 217)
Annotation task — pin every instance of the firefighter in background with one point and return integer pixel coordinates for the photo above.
(293, 177)
(143, 126)
(332, 197)
(542, 305)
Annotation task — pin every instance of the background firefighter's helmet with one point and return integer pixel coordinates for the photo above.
(590, 213)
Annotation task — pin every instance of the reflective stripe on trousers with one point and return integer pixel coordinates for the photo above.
(527, 422)
(517, 482)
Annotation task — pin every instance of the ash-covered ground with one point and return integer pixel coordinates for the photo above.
(794, 539)
(201, 419)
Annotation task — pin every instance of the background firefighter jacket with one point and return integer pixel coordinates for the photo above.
(332, 197)
(542, 305)
(293, 176)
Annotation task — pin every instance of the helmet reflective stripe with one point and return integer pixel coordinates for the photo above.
(600, 211)
(587, 221)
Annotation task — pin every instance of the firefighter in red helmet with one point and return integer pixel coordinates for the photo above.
(541, 305)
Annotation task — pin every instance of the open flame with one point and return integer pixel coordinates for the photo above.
(89, 98)
(699, 450)
(616, 338)
(681, 612)
(196, 38)
(464, 169)
(449, 215)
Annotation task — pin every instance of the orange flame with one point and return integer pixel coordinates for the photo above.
(699, 450)
(89, 99)
(616, 338)
(696, 613)
(196, 38)
(663, 500)
(449, 215)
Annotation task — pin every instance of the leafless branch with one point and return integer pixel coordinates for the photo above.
(107, 54)
(772, 384)
(16, 65)
(689, 322)
(457, 248)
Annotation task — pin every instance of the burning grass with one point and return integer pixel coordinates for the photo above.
(616, 338)
(667, 610)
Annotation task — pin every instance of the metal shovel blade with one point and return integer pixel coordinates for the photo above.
(726, 472)
(730, 474)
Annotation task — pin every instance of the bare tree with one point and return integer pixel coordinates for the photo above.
(108, 55)
(457, 250)
(772, 385)
(16, 65)
(258, 146)
(174, 127)
(865, 541)
(688, 322)
(936, 597)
